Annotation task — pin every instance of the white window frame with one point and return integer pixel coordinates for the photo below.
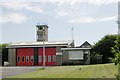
(32, 58)
(27, 57)
(49, 58)
(22, 58)
(54, 58)
(45, 58)
(18, 60)
(39, 58)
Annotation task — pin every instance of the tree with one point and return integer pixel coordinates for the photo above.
(116, 51)
(4, 52)
(103, 47)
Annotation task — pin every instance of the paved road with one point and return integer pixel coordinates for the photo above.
(12, 71)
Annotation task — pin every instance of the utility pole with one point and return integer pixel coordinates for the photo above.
(43, 48)
(118, 28)
(72, 34)
(42, 29)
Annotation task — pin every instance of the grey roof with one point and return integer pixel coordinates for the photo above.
(41, 25)
(85, 44)
(40, 44)
(75, 48)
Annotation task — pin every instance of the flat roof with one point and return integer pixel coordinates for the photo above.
(75, 48)
(40, 44)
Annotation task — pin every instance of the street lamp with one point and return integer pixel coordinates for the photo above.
(43, 48)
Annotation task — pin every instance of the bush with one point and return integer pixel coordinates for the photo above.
(95, 59)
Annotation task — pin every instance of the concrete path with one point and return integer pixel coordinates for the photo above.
(13, 71)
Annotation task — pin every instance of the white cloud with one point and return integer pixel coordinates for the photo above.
(69, 2)
(13, 17)
(64, 7)
(93, 2)
(17, 5)
(91, 20)
(108, 18)
(61, 13)
(61, 2)
(82, 20)
(102, 2)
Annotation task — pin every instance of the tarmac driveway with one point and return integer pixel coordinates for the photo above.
(13, 71)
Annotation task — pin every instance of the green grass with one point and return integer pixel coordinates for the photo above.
(87, 71)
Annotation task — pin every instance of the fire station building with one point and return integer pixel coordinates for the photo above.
(53, 53)
(31, 54)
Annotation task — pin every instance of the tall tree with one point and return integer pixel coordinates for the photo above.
(116, 51)
(4, 52)
(103, 47)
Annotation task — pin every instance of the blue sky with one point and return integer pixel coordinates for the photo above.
(91, 19)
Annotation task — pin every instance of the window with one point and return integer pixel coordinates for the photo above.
(40, 59)
(54, 58)
(27, 58)
(41, 35)
(23, 59)
(18, 59)
(32, 58)
(85, 57)
(83, 46)
(88, 46)
(45, 58)
(85, 52)
(75, 55)
(49, 58)
(40, 28)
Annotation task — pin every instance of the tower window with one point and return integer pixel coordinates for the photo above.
(40, 28)
(41, 34)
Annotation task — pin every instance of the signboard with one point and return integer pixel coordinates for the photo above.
(59, 53)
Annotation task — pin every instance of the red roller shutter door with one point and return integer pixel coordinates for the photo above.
(48, 52)
(20, 54)
(40, 57)
(25, 57)
(30, 54)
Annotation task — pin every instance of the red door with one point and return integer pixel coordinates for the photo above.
(29, 57)
(50, 54)
(40, 57)
(25, 57)
(18, 56)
